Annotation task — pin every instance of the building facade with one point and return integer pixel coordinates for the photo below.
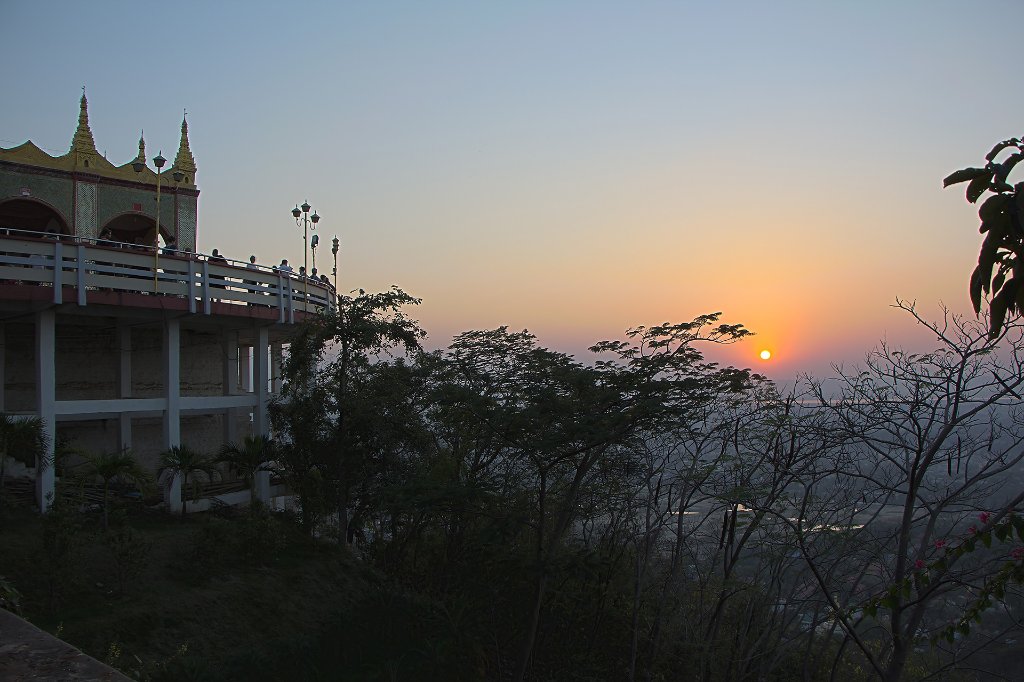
(114, 328)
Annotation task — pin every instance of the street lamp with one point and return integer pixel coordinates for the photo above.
(313, 243)
(334, 250)
(303, 218)
(138, 165)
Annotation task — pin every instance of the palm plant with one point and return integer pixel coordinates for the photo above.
(23, 440)
(186, 462)
(248, 459)
(111, 466)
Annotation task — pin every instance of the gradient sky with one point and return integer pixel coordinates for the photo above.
(574, 168)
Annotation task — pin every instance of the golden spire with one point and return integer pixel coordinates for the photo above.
(83, 142)
(184, 162)
(142, 148)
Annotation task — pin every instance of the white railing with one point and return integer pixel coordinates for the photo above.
(87, 266)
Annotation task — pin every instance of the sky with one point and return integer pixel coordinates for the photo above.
(574, 168)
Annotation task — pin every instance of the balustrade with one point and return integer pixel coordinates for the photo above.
(76, 267)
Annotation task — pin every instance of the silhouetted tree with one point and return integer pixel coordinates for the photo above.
(331, 426)
(931, 444)
(1000, 270)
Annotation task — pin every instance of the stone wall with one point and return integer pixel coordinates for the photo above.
(55, 191)
(19, 367)
(87, 362)
(89, 203)
(115, 200)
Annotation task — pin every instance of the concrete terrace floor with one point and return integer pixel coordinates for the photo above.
(28, 653)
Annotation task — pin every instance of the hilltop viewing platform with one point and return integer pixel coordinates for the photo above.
(53, 268)
(118, 347)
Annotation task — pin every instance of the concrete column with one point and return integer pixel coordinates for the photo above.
(260, 372)
(172, 414)
(261, 486)
(276, 359)
(46, 394)
(230, 365)
(261, 421)
(124, 386)
(3, 376)
(172, 494)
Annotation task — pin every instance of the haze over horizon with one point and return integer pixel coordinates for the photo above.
(574, 168)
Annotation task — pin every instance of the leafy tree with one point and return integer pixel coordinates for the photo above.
(1000, 269)
(183, 461)
(255, 454)
(930, 444)
(23, 440)
(114, 466)
(299, 416)
(561, 419)
(332, 424)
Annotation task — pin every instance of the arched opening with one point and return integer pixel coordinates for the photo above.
(31, 215)
(133, 228)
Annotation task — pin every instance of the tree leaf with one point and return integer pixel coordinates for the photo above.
(998, 148)
(1006, 166)
(1018, 525)
(977, 282)
(998, 308)
(998, 280)
(978, 186)
(964, 175)
(994, 207)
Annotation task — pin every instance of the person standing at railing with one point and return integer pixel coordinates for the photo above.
(284, 267)
(217, 259)
(251, 284)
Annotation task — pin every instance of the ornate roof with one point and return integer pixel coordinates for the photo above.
(82, 143)
(83, 157)
(184, 162)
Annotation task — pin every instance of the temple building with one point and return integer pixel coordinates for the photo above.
(114, 328)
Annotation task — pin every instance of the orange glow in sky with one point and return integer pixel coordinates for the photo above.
(575, 168)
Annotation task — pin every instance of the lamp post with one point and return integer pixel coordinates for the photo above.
(334, 250)
(313, 243)
(303, 218)
(159, 162)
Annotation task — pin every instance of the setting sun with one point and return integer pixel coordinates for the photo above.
(766, 355)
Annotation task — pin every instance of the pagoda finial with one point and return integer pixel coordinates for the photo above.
(83, 142)
(184, 162)
(142, 148)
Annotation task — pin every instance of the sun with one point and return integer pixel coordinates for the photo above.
(766, 354)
